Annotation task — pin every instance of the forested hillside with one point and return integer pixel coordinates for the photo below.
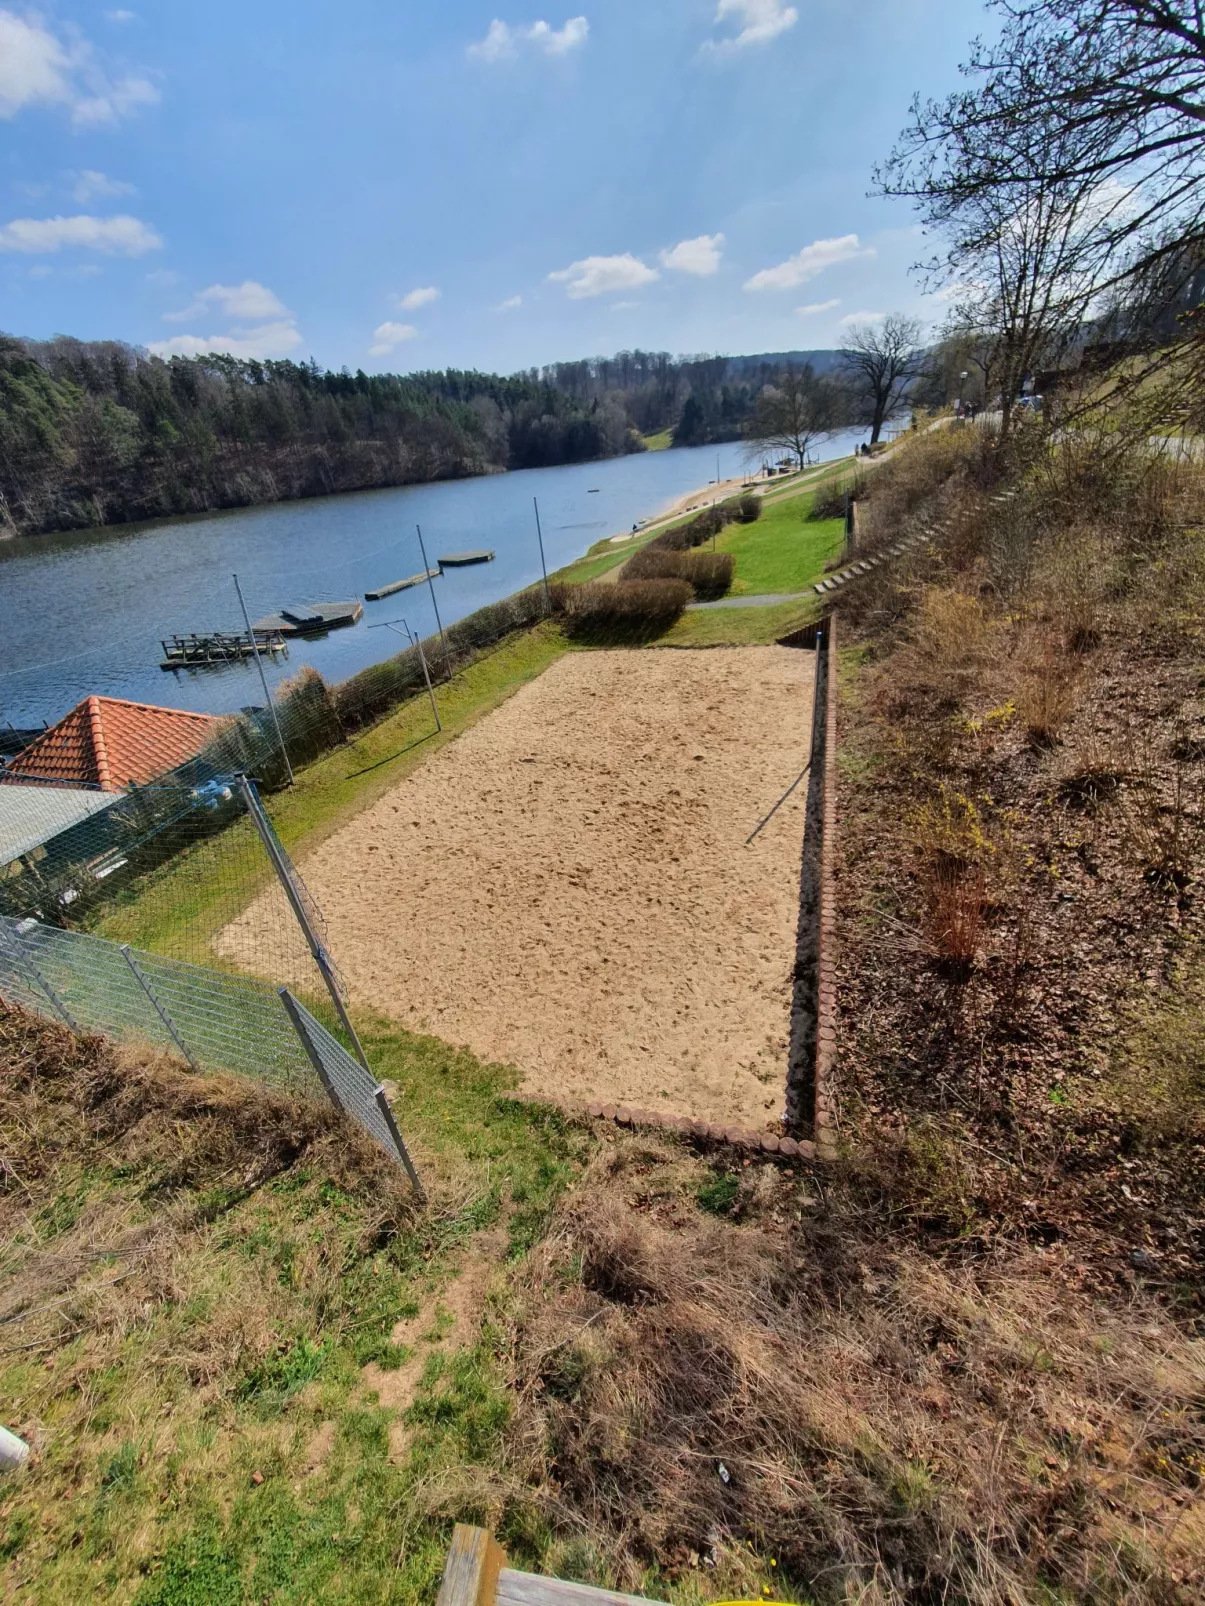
(98, 432)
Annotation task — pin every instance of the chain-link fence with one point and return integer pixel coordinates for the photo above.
(212, 1019)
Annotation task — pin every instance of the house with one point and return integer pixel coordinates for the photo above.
(111, 744)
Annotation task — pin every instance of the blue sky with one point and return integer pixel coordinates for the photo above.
(390, 185)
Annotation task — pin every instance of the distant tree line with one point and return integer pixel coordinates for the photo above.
(98, 432)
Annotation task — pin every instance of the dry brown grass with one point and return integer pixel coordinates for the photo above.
(191, 1145)
(891, 1427)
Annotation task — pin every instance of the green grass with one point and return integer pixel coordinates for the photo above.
(740, 627)
(154, 1489)
(660, 442)
(784, 550)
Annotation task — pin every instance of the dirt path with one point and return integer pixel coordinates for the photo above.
(565, 887)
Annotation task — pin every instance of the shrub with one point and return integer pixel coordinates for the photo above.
(628, 605)
(748, 509)
(710, 573)
(654, 563)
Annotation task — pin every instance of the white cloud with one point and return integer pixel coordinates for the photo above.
(809, 262)
(164, 277)
(599, 276)
(814, 307)
(249, 302)
(510, 303)
(90, 185)
(276, 339)
(114, 236)
(121, 16)
(413, 299)
(851, 318)
(386, 337)
(763, 20)
(700, 256)
(38, 68)
(503, 39)
(559, 41)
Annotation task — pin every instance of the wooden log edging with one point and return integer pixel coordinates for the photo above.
(811, 1053)
(685, 1126)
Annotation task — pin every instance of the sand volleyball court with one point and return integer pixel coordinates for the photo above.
(565, 889)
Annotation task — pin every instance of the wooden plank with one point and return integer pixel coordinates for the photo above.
(401, 585)
(475, 1559)
(529, 1589)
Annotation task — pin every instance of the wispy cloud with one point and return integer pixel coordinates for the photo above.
(503, 40)
(249, 302)
(600, 276)
(762, 21)
(413, 299)
(510, 304)
(277, 339)
(261, 325)
(112, 236)
(813, 307)
(90, 185)
(41, 68)
(852, 318)
(120, 16)
(809, 262)
(700, 256)
(386, 337)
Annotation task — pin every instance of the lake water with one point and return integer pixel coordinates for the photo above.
(84, 612)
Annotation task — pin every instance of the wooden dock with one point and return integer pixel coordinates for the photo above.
(310, 618)
(401, 585)
(197, 651)
(457, 560)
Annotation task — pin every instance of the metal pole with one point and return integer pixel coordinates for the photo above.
(157, 1006)
(388, 624)
(319, 954)
(383, 1105)
(263, 679)
(434, 604)
(540, 537)
(315, 1058)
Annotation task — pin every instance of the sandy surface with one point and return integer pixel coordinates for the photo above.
(565, 887)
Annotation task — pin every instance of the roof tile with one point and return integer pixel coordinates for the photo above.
(111, 743)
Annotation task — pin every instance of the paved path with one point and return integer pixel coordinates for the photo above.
(767, 601)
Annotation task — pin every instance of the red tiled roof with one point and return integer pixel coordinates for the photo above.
(111, 743)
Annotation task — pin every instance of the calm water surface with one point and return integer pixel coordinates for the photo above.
(84, 612)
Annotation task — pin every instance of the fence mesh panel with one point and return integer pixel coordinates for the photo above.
(220, 1021)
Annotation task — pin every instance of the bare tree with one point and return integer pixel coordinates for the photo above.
(1029, 238)
(1119, 86)
(881, 361)
(789, 415)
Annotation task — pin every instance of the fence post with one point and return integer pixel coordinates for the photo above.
(25, 958)
(380, 1097)
(319, 954)
(386, 1110)
(162, 1013)
(805, 1022)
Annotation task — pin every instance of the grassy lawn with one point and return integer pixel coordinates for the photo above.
(740, 627)
(659, 442)
(784, 550)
